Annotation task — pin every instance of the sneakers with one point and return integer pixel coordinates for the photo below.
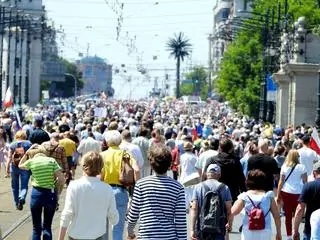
(20, 205)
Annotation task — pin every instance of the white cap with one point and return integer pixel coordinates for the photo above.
(214, 168)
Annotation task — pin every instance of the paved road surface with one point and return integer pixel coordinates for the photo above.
(9, 216)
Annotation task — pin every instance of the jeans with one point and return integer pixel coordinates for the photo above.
(42, 200)
(122, 199)
(206, 236)
(306, 237)
(19, 176)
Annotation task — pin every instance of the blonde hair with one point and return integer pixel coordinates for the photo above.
(21, 135)
(92, 164)
(292, 158)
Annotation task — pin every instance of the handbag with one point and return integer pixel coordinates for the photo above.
(126, 177)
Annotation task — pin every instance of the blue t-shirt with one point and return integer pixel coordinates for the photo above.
(200, 192)
(265, 205)
(244, 164)
(20, 143)
(310, 193)
(315, 225)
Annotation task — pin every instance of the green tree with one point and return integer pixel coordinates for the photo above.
(199, 84)
(240, 74)
(241, 69)
(179, 47)
(66, 87)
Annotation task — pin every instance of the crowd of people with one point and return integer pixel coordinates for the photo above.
(155, 165)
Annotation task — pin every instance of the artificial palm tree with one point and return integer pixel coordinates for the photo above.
(179, 47)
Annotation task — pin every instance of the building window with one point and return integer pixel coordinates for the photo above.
(222, 15)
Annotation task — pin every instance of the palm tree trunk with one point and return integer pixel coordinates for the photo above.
(178, 79)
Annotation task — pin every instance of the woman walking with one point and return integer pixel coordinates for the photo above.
(88, 198)
(292, 177)
(254, 198)
(158, 201)
(17, 151)
(188, 172)
(46, 176)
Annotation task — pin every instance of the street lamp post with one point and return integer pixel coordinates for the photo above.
(75, 83)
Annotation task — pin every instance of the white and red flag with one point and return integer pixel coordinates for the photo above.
(8, 100)
(315, 141)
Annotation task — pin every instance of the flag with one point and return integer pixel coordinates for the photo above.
(19, 124)
(315, 141)
(8, 101)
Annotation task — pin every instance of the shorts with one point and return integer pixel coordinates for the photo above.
(70, 162)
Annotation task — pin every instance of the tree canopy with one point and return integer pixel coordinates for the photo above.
(198, 84)
(66, 88)
(241, 70)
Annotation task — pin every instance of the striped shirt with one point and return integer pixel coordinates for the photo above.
(159, 202)
(43, 169)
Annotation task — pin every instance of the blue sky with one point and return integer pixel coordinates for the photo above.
(151, 23)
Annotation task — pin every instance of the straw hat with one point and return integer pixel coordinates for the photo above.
(187, 146)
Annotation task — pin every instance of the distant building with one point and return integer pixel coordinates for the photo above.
(97, 74)
(227, 16)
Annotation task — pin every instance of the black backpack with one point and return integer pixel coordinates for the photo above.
(212, 213)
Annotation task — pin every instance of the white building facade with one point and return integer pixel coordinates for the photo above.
(22, 50)
(225, 12)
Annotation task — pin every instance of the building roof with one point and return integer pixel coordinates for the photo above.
(93, 60)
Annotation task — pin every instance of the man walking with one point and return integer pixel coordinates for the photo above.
(310, 201)
(202, 226)
(89, 144)
(231, 169)
(262, 161)
(38, 135)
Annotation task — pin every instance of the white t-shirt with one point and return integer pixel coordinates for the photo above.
(201, 162)
(187, 164)
(307, 157)
(315, 225)
(294, 183)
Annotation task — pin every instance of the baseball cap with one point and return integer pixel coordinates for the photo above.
(214, 168)
(316, 166)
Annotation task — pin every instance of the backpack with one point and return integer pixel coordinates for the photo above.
(18, 154)
(126, 177)
(212, 213)
(256, 217)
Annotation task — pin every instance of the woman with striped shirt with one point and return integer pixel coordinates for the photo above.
(159, 202)
(46, 175)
